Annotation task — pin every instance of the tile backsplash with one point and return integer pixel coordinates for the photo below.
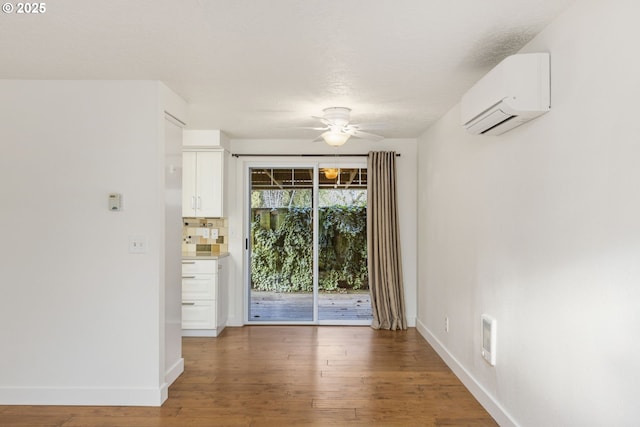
(205, 235)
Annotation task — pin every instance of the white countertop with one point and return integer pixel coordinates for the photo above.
(203, 255)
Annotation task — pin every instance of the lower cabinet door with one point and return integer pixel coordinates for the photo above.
(199, 314)
(199, 287)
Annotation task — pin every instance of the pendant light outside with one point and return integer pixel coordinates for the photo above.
(330, 173)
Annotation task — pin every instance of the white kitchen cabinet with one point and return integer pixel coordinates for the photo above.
(202, 183)
(204, 297)
(199, 287)
(198, 317)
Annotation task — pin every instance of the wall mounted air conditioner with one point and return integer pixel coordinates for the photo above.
(514, 92)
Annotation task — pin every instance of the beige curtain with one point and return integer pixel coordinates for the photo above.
(383, 243)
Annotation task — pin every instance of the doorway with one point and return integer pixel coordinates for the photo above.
(307, 245)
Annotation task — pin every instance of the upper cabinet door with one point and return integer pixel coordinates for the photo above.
(209, 183)
(189, 193)
(202, 184)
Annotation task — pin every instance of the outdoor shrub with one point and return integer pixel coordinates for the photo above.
(282, 258)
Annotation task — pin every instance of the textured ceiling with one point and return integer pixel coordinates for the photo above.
(258, 69)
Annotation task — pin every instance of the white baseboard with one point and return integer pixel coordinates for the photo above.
(200, 333)
(92, 396)
(477, 390)
(82, 396)
(174, 372)
(234, 321)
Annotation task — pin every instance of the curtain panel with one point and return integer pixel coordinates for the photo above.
(383, 243)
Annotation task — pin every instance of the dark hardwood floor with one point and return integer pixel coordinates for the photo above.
(292, 376)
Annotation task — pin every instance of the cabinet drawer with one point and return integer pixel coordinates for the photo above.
(205, 266)
(198, 315)
(199, 286)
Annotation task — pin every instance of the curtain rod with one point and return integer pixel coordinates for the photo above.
(302, 155)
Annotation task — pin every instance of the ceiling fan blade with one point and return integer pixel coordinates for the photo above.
(371, 126)
(365, 135)
(323, 120)
(310, 128)
(320, 138)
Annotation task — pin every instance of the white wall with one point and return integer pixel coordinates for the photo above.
(540, 228)
(82, 318)
(406, 165)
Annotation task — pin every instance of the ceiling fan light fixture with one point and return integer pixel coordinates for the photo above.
(335, 139)
(338, 116)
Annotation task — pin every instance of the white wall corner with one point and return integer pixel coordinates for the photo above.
(480, 393)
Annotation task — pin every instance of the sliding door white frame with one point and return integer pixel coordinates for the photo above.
(276, 164)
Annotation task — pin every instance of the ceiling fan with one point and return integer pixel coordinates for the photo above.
(338, 128)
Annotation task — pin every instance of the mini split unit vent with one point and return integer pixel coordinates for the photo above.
(515, 91)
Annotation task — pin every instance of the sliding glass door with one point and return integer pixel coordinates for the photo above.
(343, 296)
(307, 245)
(281, 244)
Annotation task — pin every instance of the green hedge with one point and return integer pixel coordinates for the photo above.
(282, 258)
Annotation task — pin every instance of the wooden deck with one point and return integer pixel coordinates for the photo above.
(298, 306)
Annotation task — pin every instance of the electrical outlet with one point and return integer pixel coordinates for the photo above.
(446, 324)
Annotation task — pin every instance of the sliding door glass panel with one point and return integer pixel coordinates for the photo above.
(343, 285)
(281, 286)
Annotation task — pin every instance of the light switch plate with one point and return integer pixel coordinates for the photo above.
(137, 244)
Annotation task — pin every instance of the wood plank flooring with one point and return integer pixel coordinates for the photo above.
(292, 376)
